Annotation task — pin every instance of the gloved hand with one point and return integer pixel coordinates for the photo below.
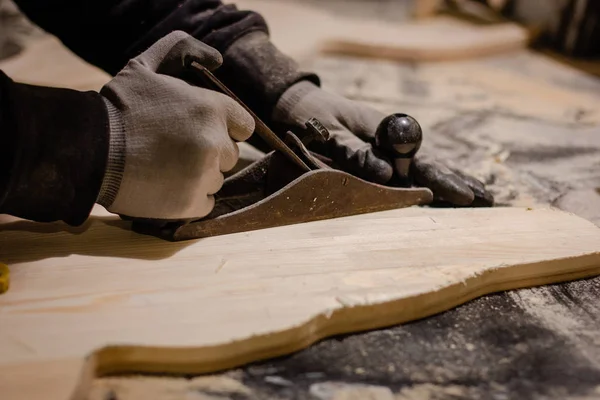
(170, 142)
(352, 128)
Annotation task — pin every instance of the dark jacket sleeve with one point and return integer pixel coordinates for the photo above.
(107, 33)
(53, 151)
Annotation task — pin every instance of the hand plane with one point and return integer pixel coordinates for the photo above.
(291, 184)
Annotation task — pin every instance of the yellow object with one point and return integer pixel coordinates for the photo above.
(4, 278)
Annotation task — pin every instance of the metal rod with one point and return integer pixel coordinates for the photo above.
(261, 128)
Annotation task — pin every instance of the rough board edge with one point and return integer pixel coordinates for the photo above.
(405, 54)
(117, 360)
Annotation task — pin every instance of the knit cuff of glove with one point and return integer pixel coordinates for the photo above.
(285, 110)
(116, 157)
(259, 73)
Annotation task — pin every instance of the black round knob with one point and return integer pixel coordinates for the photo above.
(399, 135)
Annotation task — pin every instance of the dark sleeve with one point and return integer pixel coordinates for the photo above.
(53, 150)
(107, 33)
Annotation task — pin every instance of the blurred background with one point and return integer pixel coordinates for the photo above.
(15, 30)
(570, 27)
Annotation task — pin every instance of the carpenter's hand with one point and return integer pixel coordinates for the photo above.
(352, 126)
(170, 142)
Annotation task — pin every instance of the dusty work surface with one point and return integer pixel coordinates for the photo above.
(529, 127)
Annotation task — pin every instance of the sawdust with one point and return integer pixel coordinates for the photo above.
(142, 387)
(428, 391)
(466, 87)
(344, 391)
(584, 202)
(471, 117)
(594, 394)
(574, 322)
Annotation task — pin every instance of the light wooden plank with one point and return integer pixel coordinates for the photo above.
(303, 31)
(135, 303)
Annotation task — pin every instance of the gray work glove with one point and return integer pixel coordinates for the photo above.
(170, 142)
(352, 126)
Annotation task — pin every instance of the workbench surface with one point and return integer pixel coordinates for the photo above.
(529, 127)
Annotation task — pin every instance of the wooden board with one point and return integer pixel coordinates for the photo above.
(101, 299)
(304, 31)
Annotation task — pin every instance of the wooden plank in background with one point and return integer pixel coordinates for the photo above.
(303, 32)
